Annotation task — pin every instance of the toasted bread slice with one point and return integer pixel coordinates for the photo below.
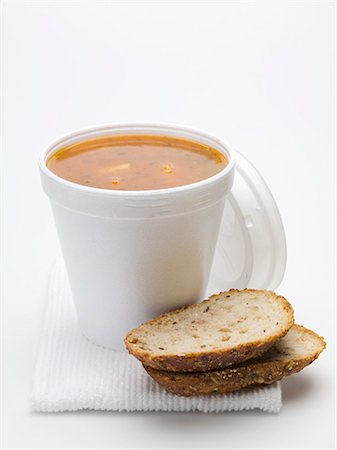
(299, 348)
(226, 329)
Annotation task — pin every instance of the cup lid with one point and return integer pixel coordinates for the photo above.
(251, 249)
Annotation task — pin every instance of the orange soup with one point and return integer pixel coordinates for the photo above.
(136, 162)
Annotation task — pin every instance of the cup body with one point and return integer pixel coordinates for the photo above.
(131, 255)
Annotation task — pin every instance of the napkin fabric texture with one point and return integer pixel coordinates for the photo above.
(72, 373)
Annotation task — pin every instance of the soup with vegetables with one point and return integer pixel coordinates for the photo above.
(136, 162)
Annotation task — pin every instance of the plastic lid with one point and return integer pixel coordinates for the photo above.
(251, 250)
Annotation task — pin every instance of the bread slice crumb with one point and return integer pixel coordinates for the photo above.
(228, 328)
(296, 350)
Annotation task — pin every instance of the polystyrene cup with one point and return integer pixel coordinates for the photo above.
(131, 255)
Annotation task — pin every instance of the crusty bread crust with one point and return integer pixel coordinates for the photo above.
(210, 359)
(263, 370)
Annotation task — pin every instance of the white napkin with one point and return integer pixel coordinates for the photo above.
(72, 373)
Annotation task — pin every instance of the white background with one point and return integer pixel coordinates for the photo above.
(259, 75)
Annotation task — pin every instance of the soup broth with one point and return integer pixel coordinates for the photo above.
(136, 162)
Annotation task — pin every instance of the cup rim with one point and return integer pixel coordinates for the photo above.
(172, 127)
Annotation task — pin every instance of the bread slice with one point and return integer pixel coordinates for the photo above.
(299, 348)
(226, 329)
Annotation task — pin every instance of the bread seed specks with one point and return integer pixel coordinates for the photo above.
(212, 325)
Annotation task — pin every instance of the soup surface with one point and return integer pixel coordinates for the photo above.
(136, 162)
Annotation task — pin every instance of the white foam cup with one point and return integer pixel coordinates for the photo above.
(131, 255)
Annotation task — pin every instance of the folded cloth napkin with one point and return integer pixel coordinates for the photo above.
(72, 373)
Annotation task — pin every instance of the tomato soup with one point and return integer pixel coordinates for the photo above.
(136, 162)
